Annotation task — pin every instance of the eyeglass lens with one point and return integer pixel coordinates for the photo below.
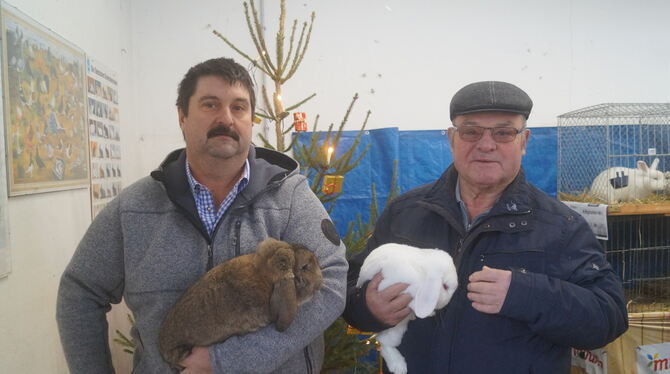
(499, 134)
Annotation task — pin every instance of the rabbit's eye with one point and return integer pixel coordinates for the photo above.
(305, 267)
(444, 285)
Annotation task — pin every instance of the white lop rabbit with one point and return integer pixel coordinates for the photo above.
(432, 280)
(620, 184)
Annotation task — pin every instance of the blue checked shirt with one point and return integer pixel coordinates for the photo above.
(204, 201)
(464, 210)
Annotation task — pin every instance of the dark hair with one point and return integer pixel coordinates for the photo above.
(226, 68)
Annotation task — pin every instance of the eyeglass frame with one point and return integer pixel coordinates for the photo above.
(492, 129)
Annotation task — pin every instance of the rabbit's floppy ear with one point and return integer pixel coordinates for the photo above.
(426, 296)
(283, 303)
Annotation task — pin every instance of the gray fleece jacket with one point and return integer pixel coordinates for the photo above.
(149, 245)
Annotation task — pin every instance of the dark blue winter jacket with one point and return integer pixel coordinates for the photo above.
(563, 293)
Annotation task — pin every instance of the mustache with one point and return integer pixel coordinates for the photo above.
(223, 130)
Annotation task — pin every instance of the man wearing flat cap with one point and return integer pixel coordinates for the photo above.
(533, 279)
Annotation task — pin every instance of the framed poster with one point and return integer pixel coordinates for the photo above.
(44, 108)
(104, 134)
(5, 253)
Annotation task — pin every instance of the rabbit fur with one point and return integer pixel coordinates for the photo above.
(620, 184)
(239, 296)
(432, 280)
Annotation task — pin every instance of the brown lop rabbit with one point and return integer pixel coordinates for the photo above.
(239, 296)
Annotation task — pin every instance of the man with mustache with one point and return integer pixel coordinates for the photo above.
(212, 201)
(533, 279)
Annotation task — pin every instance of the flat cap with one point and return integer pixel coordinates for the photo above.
(490, 96)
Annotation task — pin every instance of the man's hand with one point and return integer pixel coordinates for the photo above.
(488, 288)
(389, 306)
(197, 362)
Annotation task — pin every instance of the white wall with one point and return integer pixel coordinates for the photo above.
(413, 54)
(45, 228)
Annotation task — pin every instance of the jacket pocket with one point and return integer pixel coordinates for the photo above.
(526, 260)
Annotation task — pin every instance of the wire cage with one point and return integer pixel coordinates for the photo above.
(600, 149)
(605, 136)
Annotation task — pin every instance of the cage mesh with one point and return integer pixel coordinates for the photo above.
(594, 139)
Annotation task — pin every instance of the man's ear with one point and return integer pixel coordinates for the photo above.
(524, 141)
(182, 117)
(450, 134)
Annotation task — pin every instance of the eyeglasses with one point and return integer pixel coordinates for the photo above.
(499, 134)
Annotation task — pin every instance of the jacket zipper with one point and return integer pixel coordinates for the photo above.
(210, 256)
(308, 361)
(236, 237)
(236, 244)
(460, 247)
(463, 243)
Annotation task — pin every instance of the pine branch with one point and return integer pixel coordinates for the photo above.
(283, 115)
(280, 38)
(304, 49)
(266, 143)
(345, 159)
(261, 39)
(263, 114)
(346, 118)
(290, 48)
(123, 340)
(294, 138)
(287, 131)
(298, 50)
(234, 47)
(300, 103)
(266, 102)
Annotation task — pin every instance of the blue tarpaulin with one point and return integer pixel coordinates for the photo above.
(422, 157)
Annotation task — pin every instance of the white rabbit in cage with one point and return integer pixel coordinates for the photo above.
(620, 184)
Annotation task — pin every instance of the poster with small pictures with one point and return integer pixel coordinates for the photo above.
(104, 134)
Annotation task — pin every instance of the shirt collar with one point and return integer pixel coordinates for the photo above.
(464, 210)
(196, 186)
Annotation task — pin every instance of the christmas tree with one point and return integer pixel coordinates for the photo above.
(343, 350)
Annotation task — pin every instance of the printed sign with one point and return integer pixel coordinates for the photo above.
(593, 362)
(653, 358)
(595, 215)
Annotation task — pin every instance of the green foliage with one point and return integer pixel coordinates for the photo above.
(312, 157)
(124, 341)
(343, 351)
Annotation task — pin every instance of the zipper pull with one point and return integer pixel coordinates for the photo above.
(210, 257)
